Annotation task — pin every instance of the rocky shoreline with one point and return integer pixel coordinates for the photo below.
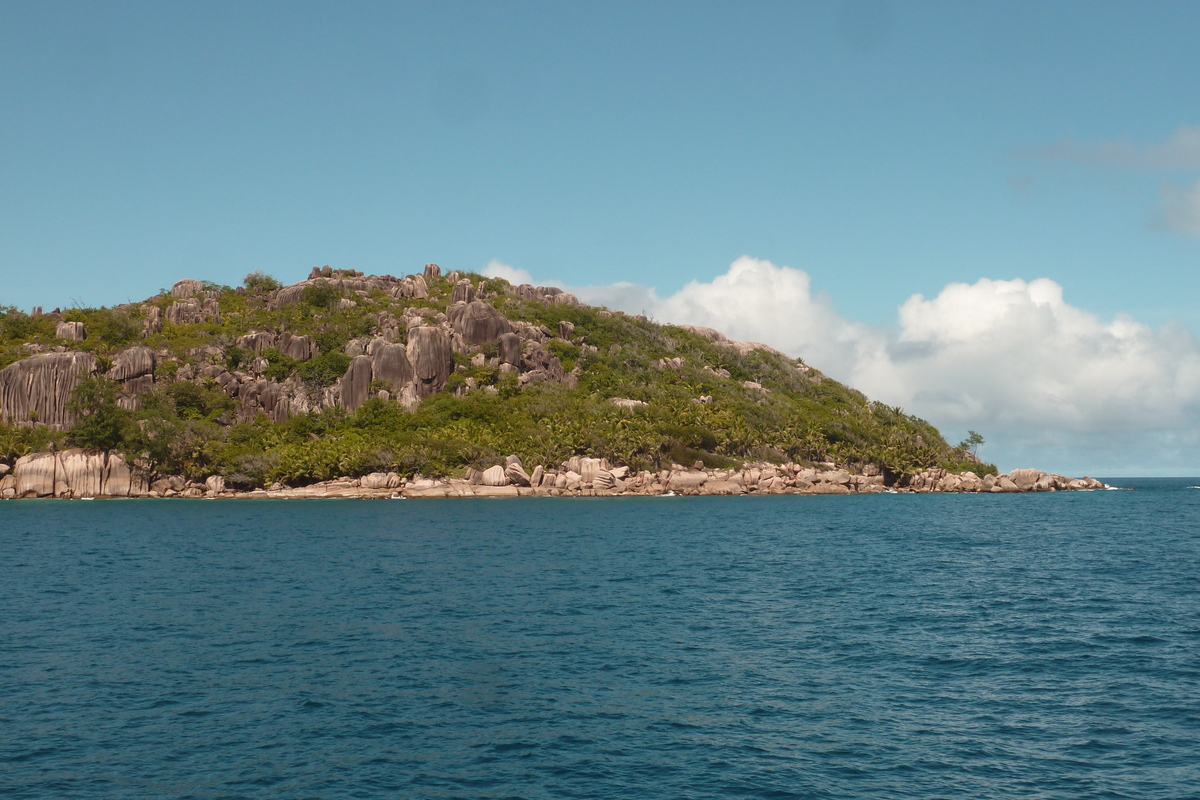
(78, 474)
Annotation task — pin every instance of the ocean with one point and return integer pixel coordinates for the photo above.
(882, 646)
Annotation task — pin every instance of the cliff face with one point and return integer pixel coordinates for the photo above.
(37, 389)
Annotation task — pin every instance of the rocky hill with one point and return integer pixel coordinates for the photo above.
(424, 383)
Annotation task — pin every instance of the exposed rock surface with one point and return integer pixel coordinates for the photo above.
(38, 388)
(431, 358)
(477, 322)
(70, 331)
(76, 473)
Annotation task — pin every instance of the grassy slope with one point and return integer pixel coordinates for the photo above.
(801, 417)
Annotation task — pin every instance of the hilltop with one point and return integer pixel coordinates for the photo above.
(344, 375)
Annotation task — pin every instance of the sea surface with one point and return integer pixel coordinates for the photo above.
(886, 646)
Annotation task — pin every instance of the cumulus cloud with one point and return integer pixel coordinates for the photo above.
(1048, 383)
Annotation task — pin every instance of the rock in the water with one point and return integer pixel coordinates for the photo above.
(215, 484)
(431, 357)
(36, 389)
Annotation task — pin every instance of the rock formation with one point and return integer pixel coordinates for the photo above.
(76, 473)
(431, 358)
(37, 389)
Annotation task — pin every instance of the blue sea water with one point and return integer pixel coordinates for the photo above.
(890, 646)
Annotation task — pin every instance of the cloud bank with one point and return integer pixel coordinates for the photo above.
(1049, 384)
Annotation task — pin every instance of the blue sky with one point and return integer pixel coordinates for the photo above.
(884, 149)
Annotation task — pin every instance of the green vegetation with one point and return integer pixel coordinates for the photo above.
(697, 411)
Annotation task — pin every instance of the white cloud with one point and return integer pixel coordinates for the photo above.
(497, 269)
(1049, 384)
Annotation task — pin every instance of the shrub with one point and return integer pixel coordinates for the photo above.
(259, 281)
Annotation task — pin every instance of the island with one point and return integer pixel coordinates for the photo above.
(432, 385)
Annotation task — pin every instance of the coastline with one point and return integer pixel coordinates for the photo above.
(78, 474)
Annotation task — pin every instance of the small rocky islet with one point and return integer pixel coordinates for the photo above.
(347, 385)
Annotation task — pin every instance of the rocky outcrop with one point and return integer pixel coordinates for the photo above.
(463, 292)
(432, 271)
(194, 310)
(186, 288)
(301, 348)
(356, 383)
(132, 363)
(510, 349)
(37, 389)
(431, 358)
(389, 363)
(76, 473)
(70, 331)
(477, 322)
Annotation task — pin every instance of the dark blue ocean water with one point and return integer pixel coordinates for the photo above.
(1039, 646)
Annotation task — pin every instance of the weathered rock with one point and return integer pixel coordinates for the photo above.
(215, 484)
(257, 341)
(722, 487)
(432, 271)
(186, 288)
(516, 474)
(494, 476)
(478, 322)
(356, 383)
(193, 310)
(1026, 479)
(566, 329)
(76, 473)
(626, 403)
(510, 349)
(589, 468)
(301, 348)
(431, 357)
(830, 488)
(70, 331)
(538, 474)
(36, 389)
(132, 363)
(389, 362)
(708, 333)
(604, 480)
(463, 292)
(687, 480)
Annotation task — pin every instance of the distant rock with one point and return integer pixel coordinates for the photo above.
(70, 331)
(431, 358)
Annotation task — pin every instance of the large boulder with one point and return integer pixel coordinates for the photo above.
(478, 323)
(494, 476)
(356, 383)
(301, 348)
(38, 388)
(510, 349)
(431, 357)
(389, 362)
(1026, 479)
(76, 473)
(132, 363)
(432, 271)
